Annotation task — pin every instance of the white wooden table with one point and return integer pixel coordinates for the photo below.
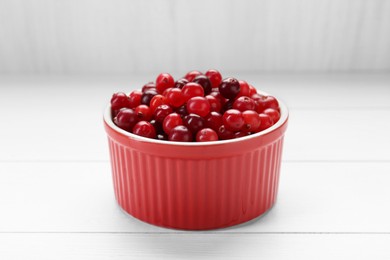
(56, 194)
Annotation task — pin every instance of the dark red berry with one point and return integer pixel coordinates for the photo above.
(215, 104)
(228, 105)
(119, 100)
(180, 134)
(206, 135)
(149, 86)
(252, 121)
(192, 89)
(144, 129)
(175, 97)
(244, 103)
(224, 133)
(157, 126)
(233, 120)
(147, 97)
(194, 122)
(192, 74)
(218, 96)
(126, 119)
(215, 77)
(266, 122)
(205, 82)
(144, 113)
(241, 134)
(180, 83)
(214, 121)
(171, 121)
(182, 111)
(273, 113)
(199, 106)
(135, 98)
(164, 81)
(161, 112)
(229, 88)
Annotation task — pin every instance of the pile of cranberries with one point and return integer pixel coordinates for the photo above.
(199, 107)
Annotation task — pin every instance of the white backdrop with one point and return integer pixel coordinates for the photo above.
(130, 36)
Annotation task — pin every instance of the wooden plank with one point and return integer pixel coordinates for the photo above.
(194, 246)
(78, 197)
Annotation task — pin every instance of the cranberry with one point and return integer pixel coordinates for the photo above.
(215, 77)
(229, 88)
(126, 119)
(244, 103)
(233, 120)
(156, 101)
(157, 126)
(244, 89)
(228, 105)
(161, 112)
(180, 83)
(214, 120)
(164, 81)
(241, 134)
(192, 74)
(147, 97)
(260, 102)
(224, 133)
(194, 122)
(205, 82)
(182, 111)
(206, 135)
(135, 98)
(252, 90)
(252, 121)
(149, 86)
(119, 100)
(192, 89)
(199, 106)
(171, 121)
(145, 129)
(273, 113)
(215, 104)
(144, 112)
(271, 102)
(175, 97)
(218, 96)
(180, 134)
(266, 122)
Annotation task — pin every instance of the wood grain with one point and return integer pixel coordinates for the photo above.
(87, 36)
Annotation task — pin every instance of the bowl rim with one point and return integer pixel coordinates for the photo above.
(283, 118)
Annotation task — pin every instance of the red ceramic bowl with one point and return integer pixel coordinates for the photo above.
(196, 186)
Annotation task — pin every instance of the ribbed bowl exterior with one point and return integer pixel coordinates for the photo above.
(196, 187)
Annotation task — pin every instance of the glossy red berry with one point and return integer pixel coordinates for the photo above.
(244, 89)
(192, 89)
(260, 102)
(180, 83)
(147, 97)
(215, 104)
(135, 98)
(252, 121)
(218, 96)
(266, 122)
(156, 101)
(119, 100)
(244, 103)
(157, 126)
(205, 82)
(171, 121)
(144, 113)
(233, 120)
(192, 74)
(273, 113)
(271, 102)
(229, 88)
(149, 86)
(214, 121)
(199, 106)
(145, 129)
(164, 81)
(180, 134)
(206, 135)
(175, 97)
(252, 90)
(161, 112)
(224, 133)
(126, 119)
(215, 77)
(194, 122)
(182, 111)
